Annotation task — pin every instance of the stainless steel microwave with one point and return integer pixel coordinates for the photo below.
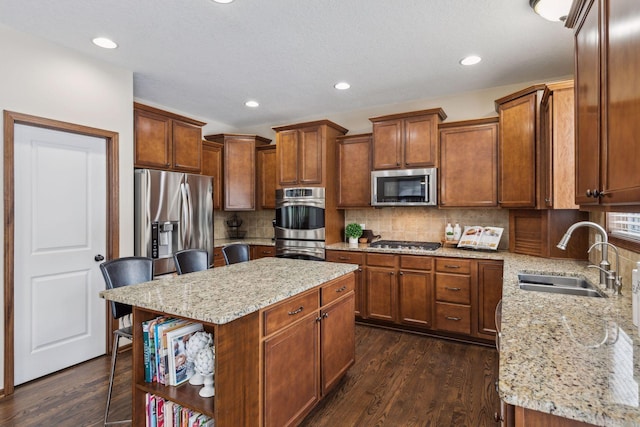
(404, 187)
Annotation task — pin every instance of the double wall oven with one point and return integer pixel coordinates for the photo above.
(299, 225)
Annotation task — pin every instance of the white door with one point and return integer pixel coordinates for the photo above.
(60, 226)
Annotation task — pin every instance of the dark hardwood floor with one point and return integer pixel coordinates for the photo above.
(399, 379)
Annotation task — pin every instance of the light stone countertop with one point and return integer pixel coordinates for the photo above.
(223, 294)
(572, 356)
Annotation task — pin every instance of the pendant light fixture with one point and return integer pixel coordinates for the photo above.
(552, 10)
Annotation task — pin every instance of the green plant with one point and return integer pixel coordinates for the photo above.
(353, 230)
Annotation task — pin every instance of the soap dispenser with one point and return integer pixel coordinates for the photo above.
(457, 232)
(448, 233)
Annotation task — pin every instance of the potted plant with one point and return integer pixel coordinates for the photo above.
(353, 232)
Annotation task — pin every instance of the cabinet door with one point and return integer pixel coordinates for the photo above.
(464, 151)
(310, 155)
(420, 141)
(354, 171)
(239, 174)
(212, 166)
(266, 159)
(287, 157)
(489, 294)
(152, 140)
(337, 338)
(415, 298)
(381, 293)
(517, 152)
(587, 45)
(218, 258)
(621, 150)
(387, 144)
(187, 147)
(262, 251)
(291, 373)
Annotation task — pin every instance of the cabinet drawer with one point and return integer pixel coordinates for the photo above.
(381, 260)
(336, 288)
(288, 311)
(453, 288)
(345, 257)
(453, 265)
(453, 318)
(262, 251)
(416, 262)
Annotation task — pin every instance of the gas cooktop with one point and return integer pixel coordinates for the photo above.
(402, 244)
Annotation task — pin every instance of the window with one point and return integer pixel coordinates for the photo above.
(624, 227)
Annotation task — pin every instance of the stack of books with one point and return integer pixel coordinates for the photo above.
(165, 413)
(165, 356)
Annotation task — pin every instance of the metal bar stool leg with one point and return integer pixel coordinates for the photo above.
(114, 355)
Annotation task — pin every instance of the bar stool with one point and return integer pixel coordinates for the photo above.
(235, 252)
(117, 273)
(190, 260)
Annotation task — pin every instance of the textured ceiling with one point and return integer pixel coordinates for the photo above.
(207, 59)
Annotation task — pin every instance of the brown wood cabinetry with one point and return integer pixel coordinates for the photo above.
(266, 176)
(537, 232)
(469, 163)
(415, 284)
(407, 140)
(354, 171)
(212, 166)
(382, 287)
(489, 294)
(167, 141)
(262, 251)
(529, 418)
(218, 258)
(607, 102)
(305, 153)
(309, 343)
(360, 275)
(239, 169)
(453, 290)
(517, 148)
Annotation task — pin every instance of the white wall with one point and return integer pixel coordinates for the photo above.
(43, 79)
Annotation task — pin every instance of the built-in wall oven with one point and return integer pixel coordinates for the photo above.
(299, 225)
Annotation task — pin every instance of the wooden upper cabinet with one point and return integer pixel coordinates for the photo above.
(407, 140)
(469, 163)
(607, 102)
(266, 176)
(302, 157)
(354, 171)
(239, 169)
(517, 148)
(212, 166)
(167, 141)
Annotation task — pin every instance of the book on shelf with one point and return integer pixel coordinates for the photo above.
(178, 368)
(151, 345)
(161, 345)
(480, 237)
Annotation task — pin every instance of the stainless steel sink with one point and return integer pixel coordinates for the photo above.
(567, 285)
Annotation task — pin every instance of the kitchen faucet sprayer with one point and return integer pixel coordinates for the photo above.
(604, 262)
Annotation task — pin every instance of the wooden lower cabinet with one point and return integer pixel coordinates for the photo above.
(262, 251)
(489, 294)
(218, 258)
(353, 257)
(309, 344)
(415, 281)
(530, 418)
(382, 287)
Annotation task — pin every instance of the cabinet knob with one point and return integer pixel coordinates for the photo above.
(589, 193)
(402, 273)
(497, 417)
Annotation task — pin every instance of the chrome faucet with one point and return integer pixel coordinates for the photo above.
(604, 262)
(614, 281)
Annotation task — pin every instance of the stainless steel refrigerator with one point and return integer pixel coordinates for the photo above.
(173, 211)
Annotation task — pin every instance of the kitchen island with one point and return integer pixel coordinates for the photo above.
(282, 328)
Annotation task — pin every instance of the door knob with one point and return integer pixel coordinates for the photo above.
(98, 258)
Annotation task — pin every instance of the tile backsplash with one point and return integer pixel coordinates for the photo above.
(257, 224)
(426, 224)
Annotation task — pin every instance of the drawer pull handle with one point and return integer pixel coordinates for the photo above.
(451, 266)
(452, 289)
(453, 318)
(342, 289)
(343, 258)
(266, 252)
(294, 312)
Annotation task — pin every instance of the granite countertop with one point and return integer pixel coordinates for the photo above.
(223, 294)
(572, 356)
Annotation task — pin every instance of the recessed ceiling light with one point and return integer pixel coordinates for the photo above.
(470, 60)
(342, 86)
(222, 1)
(252, 104)
(105, 43)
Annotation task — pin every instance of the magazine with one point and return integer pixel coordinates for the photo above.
(178, 368)
(478, 237)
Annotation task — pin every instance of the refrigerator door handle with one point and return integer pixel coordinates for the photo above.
(185, 225)
(189, 216)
